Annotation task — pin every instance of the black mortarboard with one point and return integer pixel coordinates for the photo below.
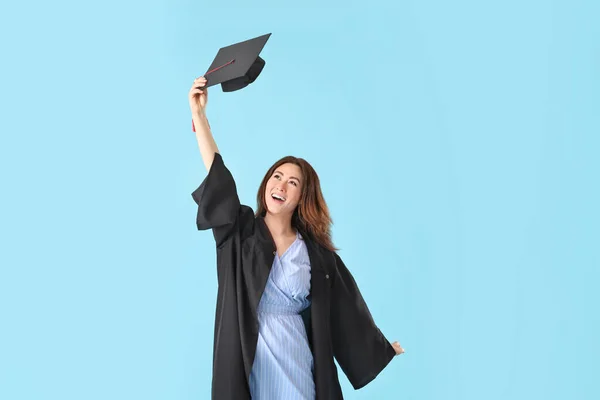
(238, 65)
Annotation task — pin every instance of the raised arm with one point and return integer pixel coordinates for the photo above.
(219, 207)
(198, 97)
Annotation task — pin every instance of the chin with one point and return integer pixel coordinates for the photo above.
(277, 209)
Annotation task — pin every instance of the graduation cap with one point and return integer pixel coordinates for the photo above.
(236, 66)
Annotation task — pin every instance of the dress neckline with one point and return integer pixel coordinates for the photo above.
(298, 236)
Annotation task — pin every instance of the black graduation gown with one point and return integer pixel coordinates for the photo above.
(338, 321)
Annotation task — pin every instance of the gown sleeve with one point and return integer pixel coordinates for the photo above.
(359, 347)
(218, 203)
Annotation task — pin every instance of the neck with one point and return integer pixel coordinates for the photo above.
(279, 225)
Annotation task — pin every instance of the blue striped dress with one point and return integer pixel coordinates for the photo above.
(283, 365)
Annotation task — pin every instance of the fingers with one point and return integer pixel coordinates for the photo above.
(198, 94)
(198, 86)
(200, 82)
(399, 350)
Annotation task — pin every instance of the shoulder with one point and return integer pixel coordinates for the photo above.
(330, 258)
(247, 221)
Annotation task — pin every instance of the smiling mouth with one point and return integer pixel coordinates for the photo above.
(278, 199)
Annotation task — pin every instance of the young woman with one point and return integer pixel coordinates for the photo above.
(287, 305)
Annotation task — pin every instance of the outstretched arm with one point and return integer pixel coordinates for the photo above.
(361, 349)
(219, 207)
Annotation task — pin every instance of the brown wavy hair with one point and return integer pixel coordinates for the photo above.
(311, 217)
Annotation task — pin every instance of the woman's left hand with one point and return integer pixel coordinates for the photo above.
(399, 350)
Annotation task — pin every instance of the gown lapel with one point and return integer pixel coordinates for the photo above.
(317, 319)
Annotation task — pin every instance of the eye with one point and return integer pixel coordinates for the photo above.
(294, 183)
(276, 176)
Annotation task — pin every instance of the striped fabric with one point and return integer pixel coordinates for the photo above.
(283, 364)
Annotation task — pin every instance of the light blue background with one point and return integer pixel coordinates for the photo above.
(457, 144)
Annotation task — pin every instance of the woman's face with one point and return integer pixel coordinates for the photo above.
(284, 189)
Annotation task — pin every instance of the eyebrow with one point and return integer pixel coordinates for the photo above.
(291, 177)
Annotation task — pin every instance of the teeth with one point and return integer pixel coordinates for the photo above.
(276, 196)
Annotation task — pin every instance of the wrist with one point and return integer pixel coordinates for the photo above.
(200, 122)
(199, 115)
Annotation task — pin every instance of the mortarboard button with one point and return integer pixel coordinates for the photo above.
(236, 66)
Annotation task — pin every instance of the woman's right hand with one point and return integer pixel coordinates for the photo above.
(198, 96)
